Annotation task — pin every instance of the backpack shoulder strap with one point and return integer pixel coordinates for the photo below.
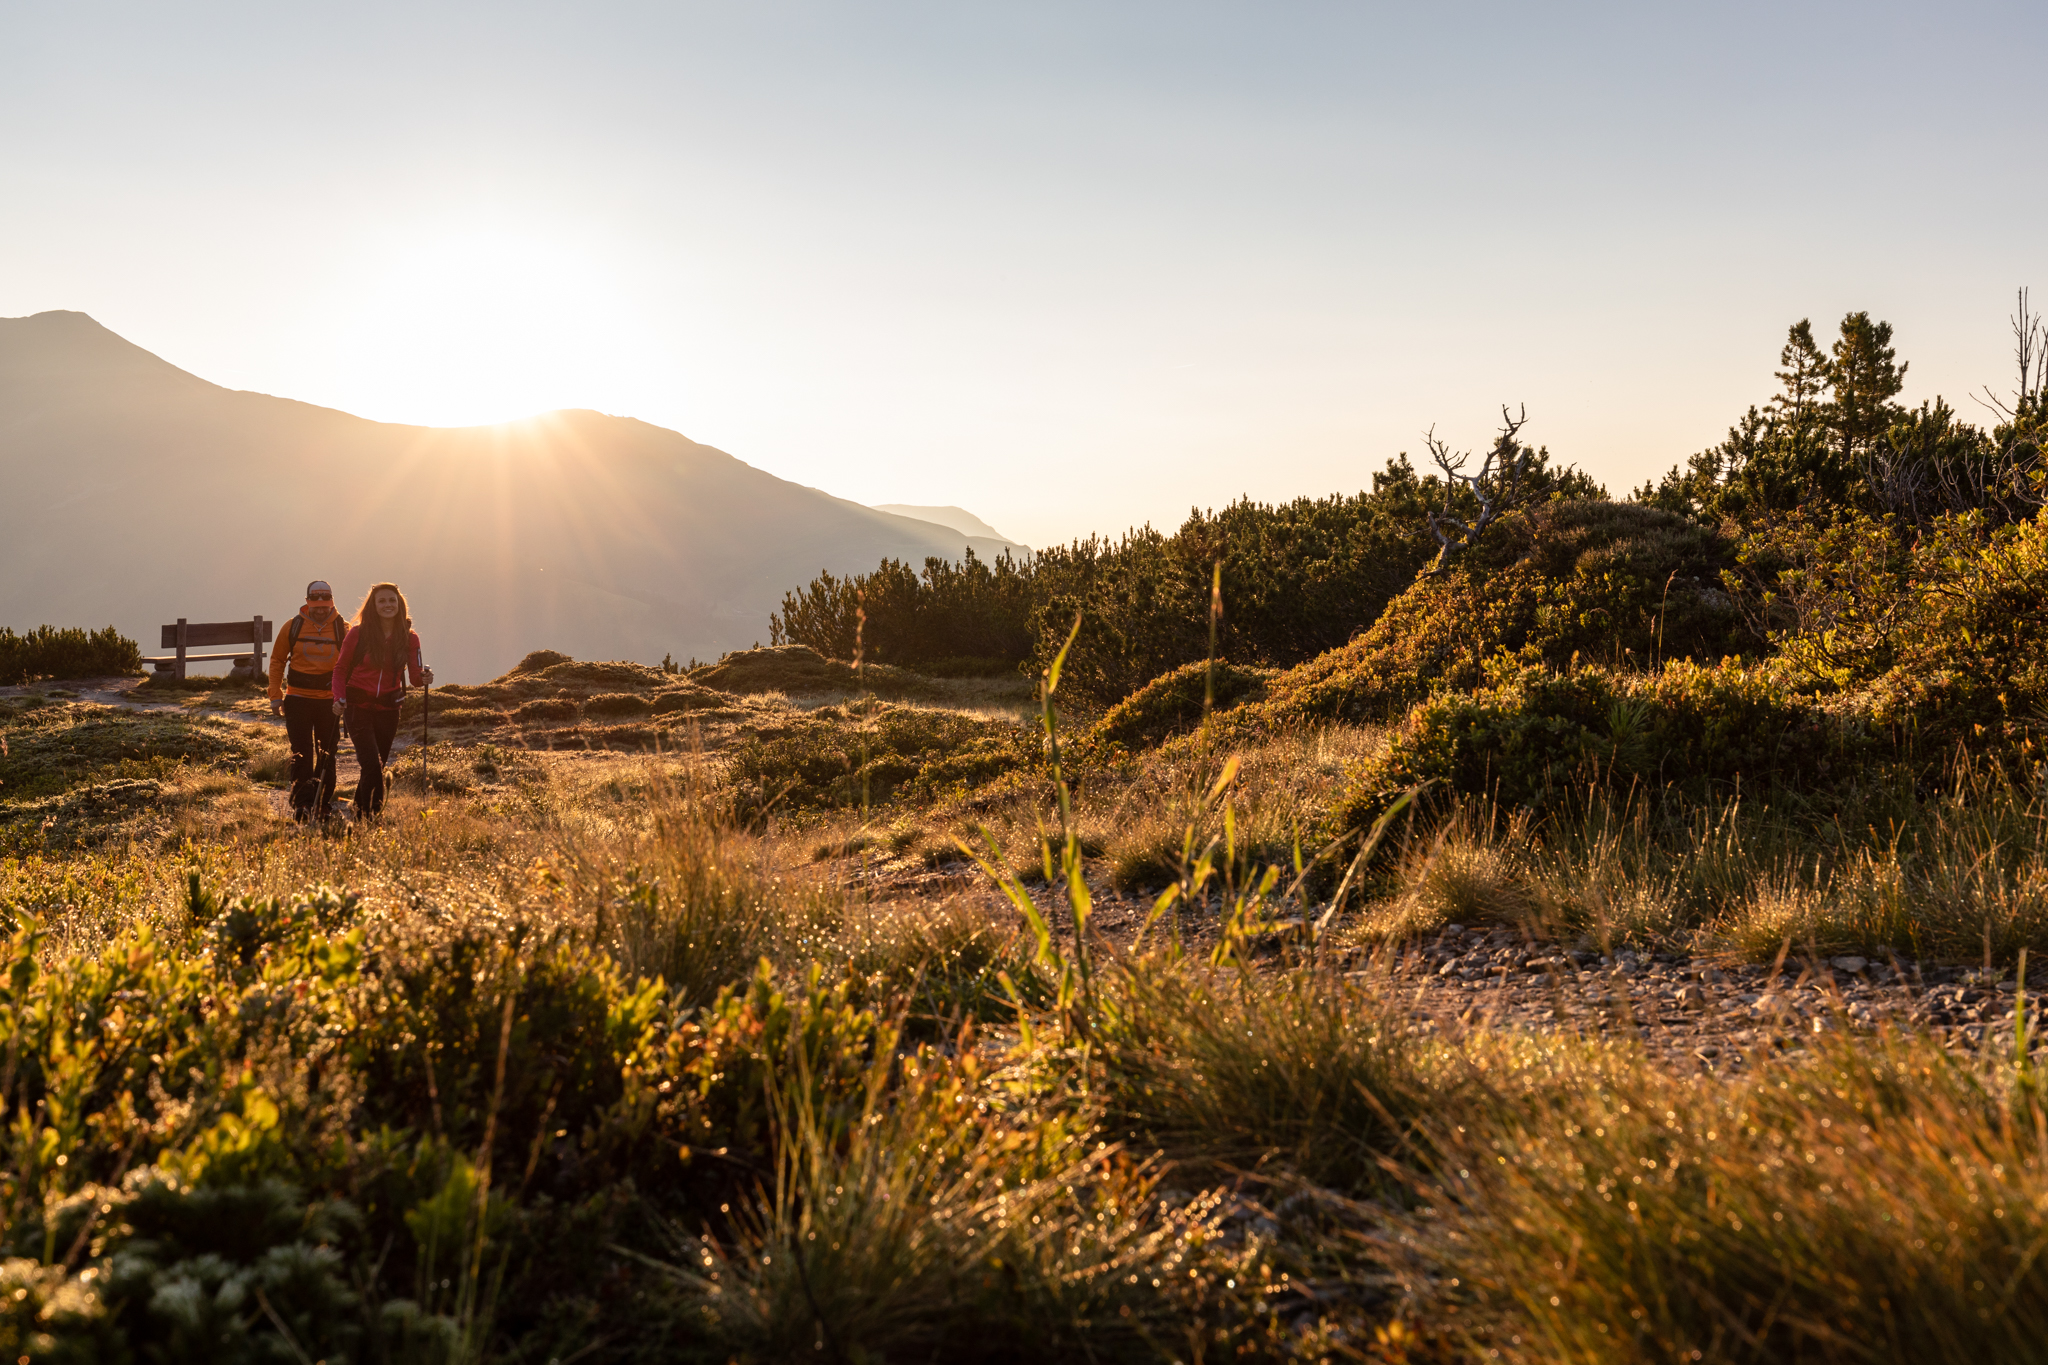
(291, 640)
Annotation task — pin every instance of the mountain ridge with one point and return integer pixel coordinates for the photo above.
(141, 493)
(954, 518)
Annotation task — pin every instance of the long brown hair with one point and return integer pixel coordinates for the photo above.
(387, 651)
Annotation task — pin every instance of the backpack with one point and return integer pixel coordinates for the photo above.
(292, 676)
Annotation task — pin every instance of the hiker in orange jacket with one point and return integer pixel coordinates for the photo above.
(378, 653)
(301, 681)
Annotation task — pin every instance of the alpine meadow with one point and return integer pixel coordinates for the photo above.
(1475, 918)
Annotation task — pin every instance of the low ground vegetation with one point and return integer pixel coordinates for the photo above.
(805, 1005)
(587, 1048)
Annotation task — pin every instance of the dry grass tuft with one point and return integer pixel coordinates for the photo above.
(1880, 1200)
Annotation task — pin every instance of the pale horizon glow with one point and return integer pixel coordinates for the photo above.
(1071, 267)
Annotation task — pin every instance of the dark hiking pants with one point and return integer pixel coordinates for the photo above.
(315, 733)
(372, 730)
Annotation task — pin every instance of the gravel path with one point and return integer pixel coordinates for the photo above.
(1691, 1010)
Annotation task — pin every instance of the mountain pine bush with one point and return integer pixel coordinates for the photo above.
(1299, 578)
(1603, 583)
(69, 652)
(1943, 630)
(1539, 739)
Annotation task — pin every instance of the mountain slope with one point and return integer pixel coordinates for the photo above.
(958, 518)
(137, 493)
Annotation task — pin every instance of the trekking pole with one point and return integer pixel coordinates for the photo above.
(426, 722)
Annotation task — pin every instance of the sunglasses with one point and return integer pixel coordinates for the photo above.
(319, 597)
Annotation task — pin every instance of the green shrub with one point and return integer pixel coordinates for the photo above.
(1538, 739)
(174, 1268)
(1599, 582)
(837, 757)
(468, 715)
(538, 661)
(689, 698)
(571, 674)
(1174, 702)
(273, 1054)
(974, 613)
(617, 704)
(574, 1019)
(1945, 636)
(50, 652)
(1299, 578)
(801, 671)
(51, 749)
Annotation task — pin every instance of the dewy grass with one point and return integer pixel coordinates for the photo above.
(1293, 1074)
(684, 895)
(1966, 876)
(1877, 1201)
(1468, 874)
(940, 1227)
(1950, 878)
(1282, 792)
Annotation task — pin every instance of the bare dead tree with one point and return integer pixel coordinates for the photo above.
(2028, 336)
(2030, 354)
(2018, 471)
(1497, 486)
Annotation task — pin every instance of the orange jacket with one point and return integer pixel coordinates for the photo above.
(312, 657)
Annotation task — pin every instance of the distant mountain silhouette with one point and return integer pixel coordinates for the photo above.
(133, 493)
(958, 518)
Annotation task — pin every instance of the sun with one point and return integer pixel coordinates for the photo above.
(461, 326)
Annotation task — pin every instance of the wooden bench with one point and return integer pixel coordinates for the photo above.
(186, 636)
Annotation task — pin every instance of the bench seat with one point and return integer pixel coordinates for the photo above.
(184, 634)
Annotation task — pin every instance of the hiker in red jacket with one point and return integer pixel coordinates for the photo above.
(377, 654)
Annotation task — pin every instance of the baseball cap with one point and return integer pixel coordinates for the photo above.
(318, 585)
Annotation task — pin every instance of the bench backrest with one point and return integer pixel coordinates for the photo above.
(199, 634)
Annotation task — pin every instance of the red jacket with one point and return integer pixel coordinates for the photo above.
(355, 672)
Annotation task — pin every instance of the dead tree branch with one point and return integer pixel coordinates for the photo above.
(1497, 487)
(2030, 354)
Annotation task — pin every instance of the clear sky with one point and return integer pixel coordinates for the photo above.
(1071, 266)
